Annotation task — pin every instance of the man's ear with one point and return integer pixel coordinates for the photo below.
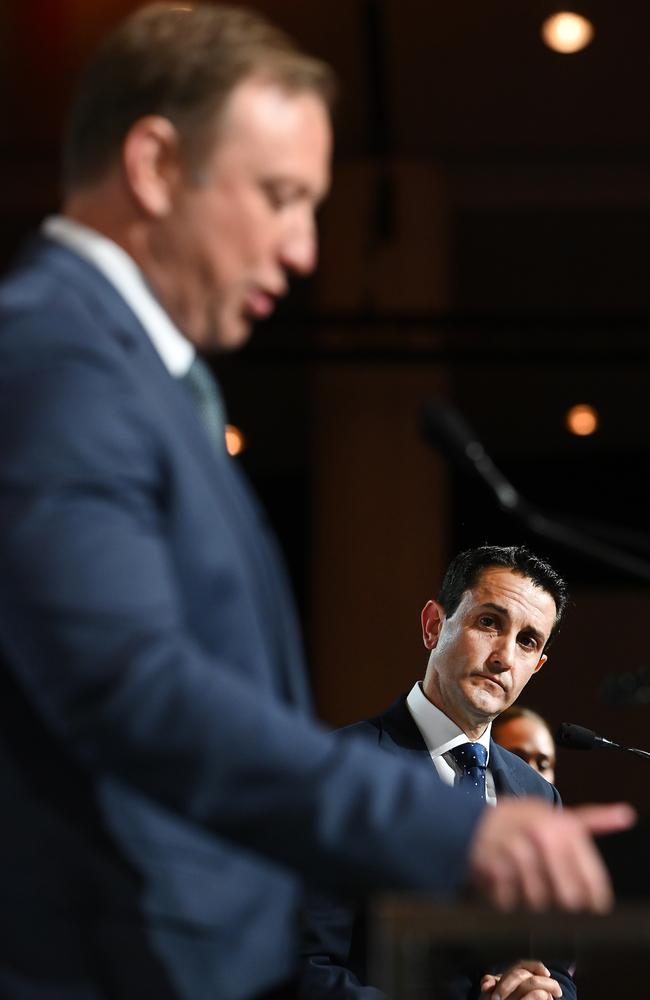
(433, 615)
(152, 163)
(542, 660)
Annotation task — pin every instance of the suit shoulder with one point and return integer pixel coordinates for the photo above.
(526, 777)
(52, 301)
(368, 729)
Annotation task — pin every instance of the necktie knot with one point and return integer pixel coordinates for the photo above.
(472, 760)
(469, 755)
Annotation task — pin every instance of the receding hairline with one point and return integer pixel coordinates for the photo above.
(515, 571)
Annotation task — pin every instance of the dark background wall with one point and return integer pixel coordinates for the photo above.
(485, 243)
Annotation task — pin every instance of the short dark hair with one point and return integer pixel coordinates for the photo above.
(181, 63)
(465, 569)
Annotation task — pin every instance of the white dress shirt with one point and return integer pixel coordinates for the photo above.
(176, 352)
(441, 735)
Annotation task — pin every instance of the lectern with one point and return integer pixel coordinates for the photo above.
(416, 942)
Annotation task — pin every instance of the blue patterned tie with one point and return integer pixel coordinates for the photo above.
(206, 396)
(472, 758)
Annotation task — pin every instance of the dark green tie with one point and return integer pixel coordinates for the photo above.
(204, 391)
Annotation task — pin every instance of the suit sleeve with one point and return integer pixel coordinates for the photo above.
(559, 969)
(565, 978)
(333, 960)
(95, 630)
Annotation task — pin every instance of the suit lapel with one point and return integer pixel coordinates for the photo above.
(505, 779)
(142, 364)
(400, 735)
(172, 408)
(235, 501)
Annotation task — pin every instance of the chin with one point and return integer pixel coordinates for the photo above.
(488, 705)
(232, 333)
(221, 337)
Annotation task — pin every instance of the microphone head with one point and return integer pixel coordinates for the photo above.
(445, 428)
(575, 737)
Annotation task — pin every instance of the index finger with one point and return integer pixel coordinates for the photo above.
(612, 818)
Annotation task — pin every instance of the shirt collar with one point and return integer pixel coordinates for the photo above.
(438, 731)
(176, 352)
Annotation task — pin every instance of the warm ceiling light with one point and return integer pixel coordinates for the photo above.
(567, 32)
(235, 440)
(582, 419)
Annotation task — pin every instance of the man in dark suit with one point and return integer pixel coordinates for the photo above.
(487, 633)
(168, 791)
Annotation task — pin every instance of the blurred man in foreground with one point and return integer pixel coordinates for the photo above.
(169, 792)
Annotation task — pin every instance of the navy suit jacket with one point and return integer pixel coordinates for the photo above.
(165, 789)
(335, 932)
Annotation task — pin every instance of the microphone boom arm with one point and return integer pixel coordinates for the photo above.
(446, 430)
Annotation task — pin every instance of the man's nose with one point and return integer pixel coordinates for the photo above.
(502, 655)
(299, 250)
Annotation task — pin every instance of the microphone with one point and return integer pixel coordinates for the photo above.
(445, 428)
(578, 738)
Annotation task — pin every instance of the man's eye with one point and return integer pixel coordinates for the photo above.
(279, 196)
(275, 199)
(528, 641)
(487, 621)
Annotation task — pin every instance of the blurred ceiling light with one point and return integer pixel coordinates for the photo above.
(567, 32)
(235, 440)
(582, 419)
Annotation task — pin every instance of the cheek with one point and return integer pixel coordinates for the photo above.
(457, 649)
(475, 648)
(219, 261)
(522, 677)
(238, 258)
(215, 233)
(243, 223)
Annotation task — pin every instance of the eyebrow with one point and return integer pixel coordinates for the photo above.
(528, 629)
